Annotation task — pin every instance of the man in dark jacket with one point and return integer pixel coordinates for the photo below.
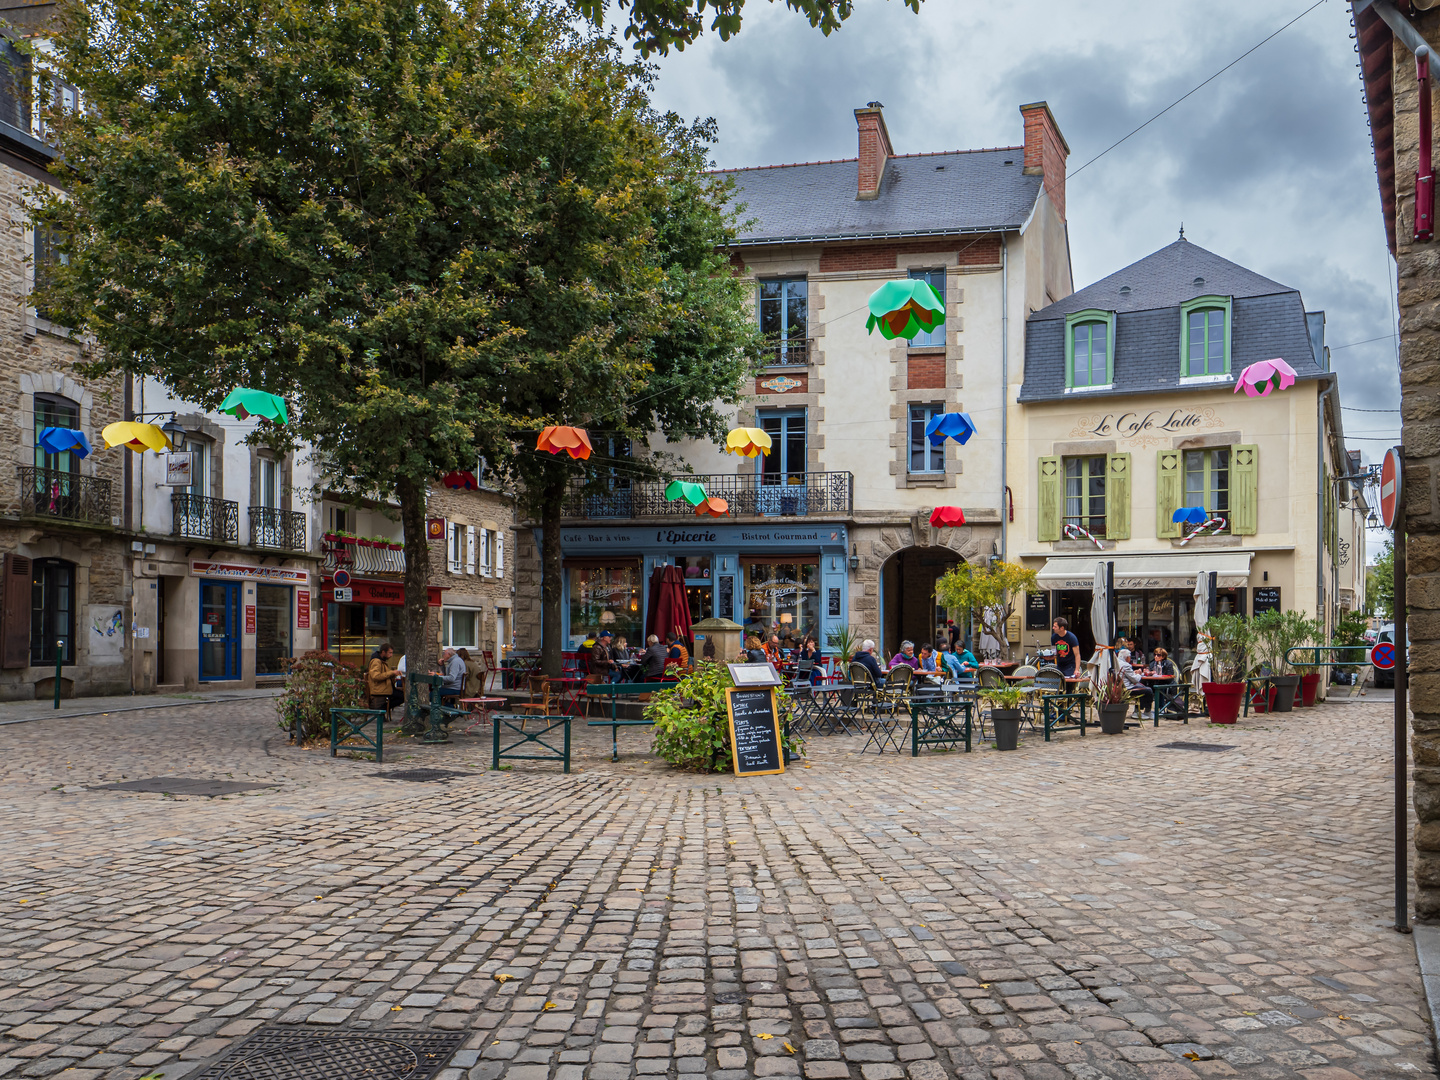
(600, 662)
(866, 659)
(652, 663)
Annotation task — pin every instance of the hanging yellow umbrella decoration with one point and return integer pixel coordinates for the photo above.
(138, 437)
(748, 442)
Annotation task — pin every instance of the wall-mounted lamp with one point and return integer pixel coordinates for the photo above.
(175, 433)
(1372, 521)
(854, 558)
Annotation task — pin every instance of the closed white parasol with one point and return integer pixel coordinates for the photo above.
(1200, 668)
(1100, 622)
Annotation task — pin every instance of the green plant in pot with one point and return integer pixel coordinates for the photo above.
(1275, 633)
(1230, 638)
(1112, 702)
(1304, 663)
(844, 643)
(1005, 714)
(692, 725)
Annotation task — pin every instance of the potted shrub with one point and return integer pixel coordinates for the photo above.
(1112, 702)
(1005, 714)
(691, 725)
(1229, 637)
(1275, 634)
(1310, 672)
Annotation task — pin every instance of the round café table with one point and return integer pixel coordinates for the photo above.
(481, 705)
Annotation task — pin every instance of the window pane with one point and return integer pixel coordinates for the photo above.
(917, 438)
(1197, 343)
(796, 298)
(605, 598)
(1081, 374)
(1098, 354)
(1194, 478)
(770, 310)
(936, 280)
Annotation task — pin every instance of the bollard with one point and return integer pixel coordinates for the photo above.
(59, 659)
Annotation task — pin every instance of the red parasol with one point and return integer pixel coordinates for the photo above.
(669, 608)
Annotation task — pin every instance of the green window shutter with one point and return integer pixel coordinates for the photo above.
(1051, 499)
(1117, 496)
(1169, 492)
(1244, 489)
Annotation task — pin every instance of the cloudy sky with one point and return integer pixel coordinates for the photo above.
(1269, 165)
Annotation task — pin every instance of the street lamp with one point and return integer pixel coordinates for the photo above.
(175, 433)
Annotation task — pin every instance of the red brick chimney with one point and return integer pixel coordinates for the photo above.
(1045, 151)
(874, 149)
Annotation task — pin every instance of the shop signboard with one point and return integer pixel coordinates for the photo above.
(249, 618)
(1037, 611)
(236, 571)
(1266, 598)
(667, 538)
(302, 610)
(755, 744)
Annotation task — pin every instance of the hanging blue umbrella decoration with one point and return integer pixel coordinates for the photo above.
(953, 425)
(1190, 515)
(60, 440)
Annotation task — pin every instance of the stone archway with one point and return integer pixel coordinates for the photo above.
(906, 561)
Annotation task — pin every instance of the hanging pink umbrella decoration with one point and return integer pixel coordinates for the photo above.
(460, 480)
(946, 517)
(1261, 377)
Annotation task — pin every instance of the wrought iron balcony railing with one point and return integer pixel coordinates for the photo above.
(799, 495)
(782, 352)
(362, 556)
(53, 493)
(271, 527)
(199, 517)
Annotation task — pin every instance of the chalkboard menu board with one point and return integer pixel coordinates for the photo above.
(1265, 599)
(1037, 611)
(754, 731)
(725, 597)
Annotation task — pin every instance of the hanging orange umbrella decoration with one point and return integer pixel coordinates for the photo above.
(748, 442)
(569, 440)
(947, 517)
(713, 506)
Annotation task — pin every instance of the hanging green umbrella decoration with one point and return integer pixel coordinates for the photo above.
(692, 493)
(243, 403)
(904, 309)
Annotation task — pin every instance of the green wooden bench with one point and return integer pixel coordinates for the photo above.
(615, 691)
(437, 716)
(355, 722)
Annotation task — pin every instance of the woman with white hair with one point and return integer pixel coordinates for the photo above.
(1143, 696)
(866, 659)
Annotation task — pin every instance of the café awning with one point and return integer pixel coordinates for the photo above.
(1148, 571)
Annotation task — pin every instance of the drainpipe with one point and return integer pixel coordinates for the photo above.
(1004, 389)
(1320, 498)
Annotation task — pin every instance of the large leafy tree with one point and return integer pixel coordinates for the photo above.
(432, 225)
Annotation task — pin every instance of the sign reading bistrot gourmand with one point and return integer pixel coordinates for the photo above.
(754, 731)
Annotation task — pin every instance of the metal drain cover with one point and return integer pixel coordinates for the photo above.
(1207, 747)
(183, 785)
(289, 1053)
(421, 776)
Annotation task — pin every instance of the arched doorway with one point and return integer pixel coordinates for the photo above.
(907, 595)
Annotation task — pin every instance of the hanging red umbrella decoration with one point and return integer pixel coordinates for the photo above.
(713, 506)
(570, 440)
(904, 309)
(947, 517)
(460, 480)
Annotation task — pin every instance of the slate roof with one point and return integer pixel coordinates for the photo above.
(1268, 320)
(921, 194)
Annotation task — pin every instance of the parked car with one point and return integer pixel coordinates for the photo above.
(1386, 678)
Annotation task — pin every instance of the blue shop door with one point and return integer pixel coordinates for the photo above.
(219, 630)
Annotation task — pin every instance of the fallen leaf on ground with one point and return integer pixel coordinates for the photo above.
(503, 978)
(789, 1047)
(547, 1006)
(396, 1008)
(765, 1035)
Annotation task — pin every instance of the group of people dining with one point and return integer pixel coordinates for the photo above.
(1139, 676)
(385, 685)
(609, 659)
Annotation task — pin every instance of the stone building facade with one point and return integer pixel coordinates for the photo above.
(1387, 41)
(831, 529)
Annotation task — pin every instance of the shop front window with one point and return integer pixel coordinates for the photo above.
(354, 631)
(783, 599)
(605, 598)
(272, 629)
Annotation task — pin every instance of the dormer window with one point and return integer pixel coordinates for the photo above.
(1089, 350)
(1205, 337)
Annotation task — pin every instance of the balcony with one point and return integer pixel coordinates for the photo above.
(66, 495)
(198, 517)
(780, 352)
(359, 556)
(802, 495)
(271, 527)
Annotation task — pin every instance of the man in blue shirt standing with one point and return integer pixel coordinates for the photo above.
(1067, 647)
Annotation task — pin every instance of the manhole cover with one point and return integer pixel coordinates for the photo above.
(182, 785)
(420, 775)
(297, 1054)
(1207, 747)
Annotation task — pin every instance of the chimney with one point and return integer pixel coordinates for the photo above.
(875, 149)
(1045, 152)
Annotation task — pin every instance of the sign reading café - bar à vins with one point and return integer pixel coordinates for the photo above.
(754, 731)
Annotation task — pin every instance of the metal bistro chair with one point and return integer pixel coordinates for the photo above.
(899, 682)
(539, 703)
(867, 694)
(1048, 680)
(991, 679)
(1024, 671)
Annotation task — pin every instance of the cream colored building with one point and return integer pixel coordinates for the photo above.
(832, 528)
(1126, 411)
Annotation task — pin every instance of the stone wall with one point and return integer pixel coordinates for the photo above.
(479, 591)
(1419, 282)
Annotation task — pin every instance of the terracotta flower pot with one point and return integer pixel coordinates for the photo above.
(1222, 701)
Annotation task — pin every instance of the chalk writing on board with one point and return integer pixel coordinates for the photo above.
(754, 732)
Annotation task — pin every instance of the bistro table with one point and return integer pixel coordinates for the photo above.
(828, 708)
(481, 705)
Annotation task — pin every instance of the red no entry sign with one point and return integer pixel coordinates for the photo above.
(1390, 487)
(1383, 655)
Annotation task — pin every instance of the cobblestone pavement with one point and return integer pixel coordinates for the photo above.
(1096, 907)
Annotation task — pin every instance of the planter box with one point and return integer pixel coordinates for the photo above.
(1222, 701)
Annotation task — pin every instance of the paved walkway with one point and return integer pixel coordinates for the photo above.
(1091, 908)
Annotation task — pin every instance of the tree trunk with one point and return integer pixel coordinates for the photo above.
(551, 644)
(418, 657)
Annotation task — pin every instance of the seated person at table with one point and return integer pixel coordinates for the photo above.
(652, 663)
(677, 650)
(773, 650)
(1067, 647)
(453, 665)
(620, 651)
(866, 659)
(906, 656)
(1164, 667)
(754, 651)
(602, 662)
(929, 667)
(1141, 694)
(960, 664)
(810, 650)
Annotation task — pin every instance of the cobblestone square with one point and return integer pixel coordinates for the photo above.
(1096, 907)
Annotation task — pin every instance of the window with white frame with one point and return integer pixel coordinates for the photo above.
(925, 457)
(269, 482)
(455, 551)
(462, 628)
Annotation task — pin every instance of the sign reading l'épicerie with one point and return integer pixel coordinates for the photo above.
(663, 537)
